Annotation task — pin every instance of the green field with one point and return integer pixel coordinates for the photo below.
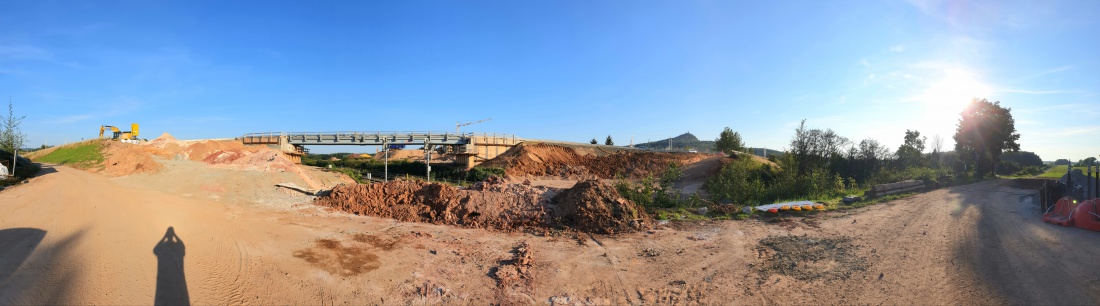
(84, 155)
(1059, 171)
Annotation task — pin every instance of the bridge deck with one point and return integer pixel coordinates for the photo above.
(372, 138)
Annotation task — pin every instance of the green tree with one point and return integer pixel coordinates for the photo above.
(11, 137)
(594, 141)
(608, 141)
(909, 153)
(985, 130)
(1091, 161)
(729, 141)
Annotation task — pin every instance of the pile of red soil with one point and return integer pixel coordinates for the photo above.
(597, 207)
(591, 206)
(554, 160)
(416, 201)
(228, 153)
(124, 159)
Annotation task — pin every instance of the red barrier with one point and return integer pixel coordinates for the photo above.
(1062, 212)
(1086, 215)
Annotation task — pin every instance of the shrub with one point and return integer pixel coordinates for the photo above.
(482, 173)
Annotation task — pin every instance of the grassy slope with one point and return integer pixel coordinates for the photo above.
(1056, 172)
(81, 155)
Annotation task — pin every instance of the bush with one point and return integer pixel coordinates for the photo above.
(739, 182)
(654, 193)
(482, 173)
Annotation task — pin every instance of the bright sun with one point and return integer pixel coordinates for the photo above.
(945, 98)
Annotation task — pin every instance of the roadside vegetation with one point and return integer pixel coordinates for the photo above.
(823, 167)
(12, 140)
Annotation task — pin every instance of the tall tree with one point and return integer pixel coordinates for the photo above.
(985, 130)
(608, 141)
(937, 149)
(909, 153)
(1091, 161)
(11, 137)
(729, 141)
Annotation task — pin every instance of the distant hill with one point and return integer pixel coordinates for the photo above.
(687, 141)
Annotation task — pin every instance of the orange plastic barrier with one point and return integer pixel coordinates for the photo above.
(1086, 215)
(1062, 212)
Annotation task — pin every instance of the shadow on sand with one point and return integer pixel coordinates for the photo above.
(16, 245)
(171, 283)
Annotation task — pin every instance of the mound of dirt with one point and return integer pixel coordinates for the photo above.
(124, 159)
(809, 258)
(594, 206)
(554, 160)
(590, 206)
(419, 201)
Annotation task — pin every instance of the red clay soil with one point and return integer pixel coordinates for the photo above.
(124, 159)
(591, 206)
(419, 201)
(553, 160)
(596, 207)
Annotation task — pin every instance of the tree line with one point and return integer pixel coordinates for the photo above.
(821, 163)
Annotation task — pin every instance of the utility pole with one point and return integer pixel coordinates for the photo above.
(386, 150)
(428, 151)
(14, 158)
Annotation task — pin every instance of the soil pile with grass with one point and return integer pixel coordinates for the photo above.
(566, 162)
(597, 207)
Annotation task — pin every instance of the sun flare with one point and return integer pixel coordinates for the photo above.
(946, 97)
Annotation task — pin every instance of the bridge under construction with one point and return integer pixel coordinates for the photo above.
(470, 149)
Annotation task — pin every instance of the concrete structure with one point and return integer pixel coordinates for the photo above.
(470, 149)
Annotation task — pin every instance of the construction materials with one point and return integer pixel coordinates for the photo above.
(796, 205)
(1070, 211)
(117, 134)
(892, 188)
(458, 125)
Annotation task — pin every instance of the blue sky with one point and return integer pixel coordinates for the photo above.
(567, 70)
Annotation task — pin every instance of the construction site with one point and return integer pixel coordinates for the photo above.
(241, 221)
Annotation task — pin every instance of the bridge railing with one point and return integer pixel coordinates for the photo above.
(262, 138)
(376, 136)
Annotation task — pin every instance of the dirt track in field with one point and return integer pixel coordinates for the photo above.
(71, 237)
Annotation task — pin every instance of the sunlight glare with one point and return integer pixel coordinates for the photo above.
(945, 98)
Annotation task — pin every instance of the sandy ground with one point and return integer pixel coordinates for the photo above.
(71, 237)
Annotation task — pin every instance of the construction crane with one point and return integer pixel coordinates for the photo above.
(458, 125)
(117, 134)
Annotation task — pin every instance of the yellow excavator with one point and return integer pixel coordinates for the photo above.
(117, 134)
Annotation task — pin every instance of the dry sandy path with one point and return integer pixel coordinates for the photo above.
(71, 237)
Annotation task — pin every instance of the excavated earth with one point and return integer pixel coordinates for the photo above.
(561, 161)
(590, 206)
(73, 237)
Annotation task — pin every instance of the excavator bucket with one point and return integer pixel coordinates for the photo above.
(1062, 212)
(1087, 215)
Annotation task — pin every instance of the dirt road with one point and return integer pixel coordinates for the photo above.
(71, 237)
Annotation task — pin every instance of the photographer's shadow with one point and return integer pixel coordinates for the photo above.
(171, 283)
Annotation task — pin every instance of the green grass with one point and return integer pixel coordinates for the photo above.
(85, 155)
(1056, 172)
